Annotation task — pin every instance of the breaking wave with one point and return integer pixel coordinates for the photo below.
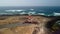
(47, 11)
(56, 14)
(31, 9)
(14, 10)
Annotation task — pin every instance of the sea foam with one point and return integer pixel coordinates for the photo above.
(56, 14)
(14, 10)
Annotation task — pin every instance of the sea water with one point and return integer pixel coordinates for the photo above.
(35, 10)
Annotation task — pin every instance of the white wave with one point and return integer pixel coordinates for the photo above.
(41, 14)
(20, 10)
(48, 15)
(10, 10)
(56, 14)
(23, 13)
(31, 12)
(31, 9)
(14, 10)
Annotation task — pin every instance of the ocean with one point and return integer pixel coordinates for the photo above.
(34, 10)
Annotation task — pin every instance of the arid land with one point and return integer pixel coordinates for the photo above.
(20, 19)
(20, 29)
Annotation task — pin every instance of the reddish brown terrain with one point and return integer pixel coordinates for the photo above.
(29, 29)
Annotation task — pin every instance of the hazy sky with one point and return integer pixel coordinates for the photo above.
(29, 2)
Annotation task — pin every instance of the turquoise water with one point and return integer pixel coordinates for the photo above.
(36, 10)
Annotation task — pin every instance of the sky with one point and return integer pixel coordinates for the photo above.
(29, 2)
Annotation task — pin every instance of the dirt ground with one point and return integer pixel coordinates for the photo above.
(20, 19)
(20, 29)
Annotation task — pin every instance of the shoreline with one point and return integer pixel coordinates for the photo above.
(9, 19)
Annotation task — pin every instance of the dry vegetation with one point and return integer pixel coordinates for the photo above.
(18, 30)
(19, 19)
(11, 19)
